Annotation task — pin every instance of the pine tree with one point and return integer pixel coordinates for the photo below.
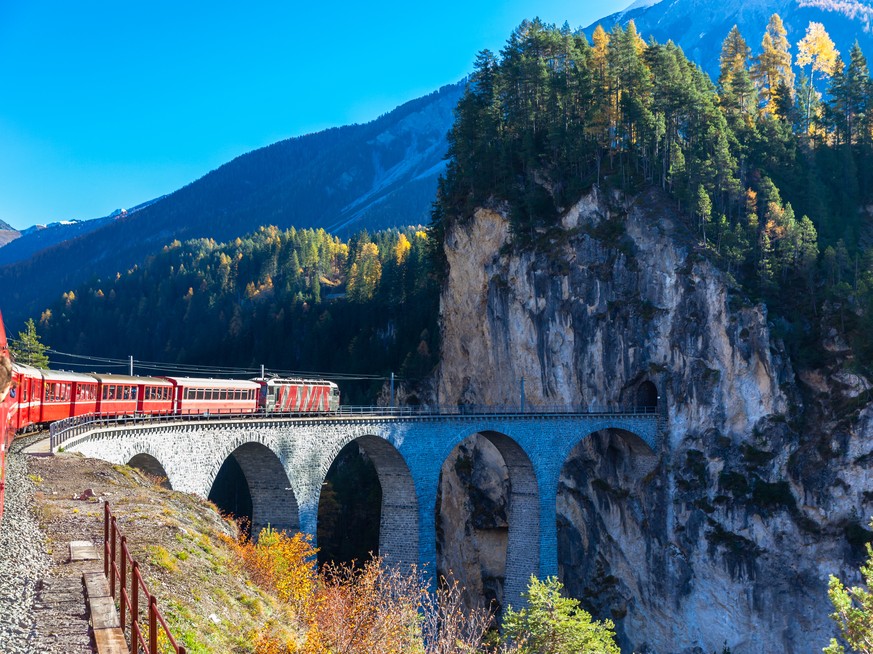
(553, 624)
(734, 81)
(28, 349)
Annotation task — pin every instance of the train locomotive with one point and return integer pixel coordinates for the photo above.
(36, 397)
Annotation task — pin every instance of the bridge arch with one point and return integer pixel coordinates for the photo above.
(604, 510)
(273, 501)
(398, 519)
(523, 510)
(152, 467)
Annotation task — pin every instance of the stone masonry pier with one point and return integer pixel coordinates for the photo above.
(285, 462)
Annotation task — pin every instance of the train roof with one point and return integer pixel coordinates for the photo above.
(127, 379)
(200, 382)
(61, 375)
(26, 370)
(292, 380)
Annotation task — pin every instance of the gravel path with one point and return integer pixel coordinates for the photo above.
(42, 610)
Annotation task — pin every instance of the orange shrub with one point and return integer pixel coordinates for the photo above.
(281, 564)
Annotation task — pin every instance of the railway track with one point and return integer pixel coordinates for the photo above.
(40, 612)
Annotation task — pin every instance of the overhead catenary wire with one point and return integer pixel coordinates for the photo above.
(85, 362)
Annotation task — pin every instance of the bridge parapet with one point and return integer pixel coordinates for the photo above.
(64, 432)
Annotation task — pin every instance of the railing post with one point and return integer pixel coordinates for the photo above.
(114, 563)
(134, 609)
(153, 625)
(123, 579)
(106, 539)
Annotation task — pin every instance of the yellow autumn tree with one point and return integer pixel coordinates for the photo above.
(600, 123)
(401, 250)
(772, 70)
(365, 273)
(816, 50)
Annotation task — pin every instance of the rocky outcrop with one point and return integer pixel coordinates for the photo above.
(761, 486)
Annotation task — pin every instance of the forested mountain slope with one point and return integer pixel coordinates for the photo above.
(376, 175)
(289, 299)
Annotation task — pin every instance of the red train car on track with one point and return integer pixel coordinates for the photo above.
(214, 396)
(26, 395)
(64, 395)
(32, 396)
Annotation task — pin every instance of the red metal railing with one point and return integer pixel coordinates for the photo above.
(115, 552)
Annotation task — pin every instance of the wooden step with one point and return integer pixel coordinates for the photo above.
(110, 641)
(83, 550)
(108, 635)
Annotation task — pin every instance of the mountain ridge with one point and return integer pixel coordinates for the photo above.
(373, 175)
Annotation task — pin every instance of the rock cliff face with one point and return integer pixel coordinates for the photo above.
(761, 486)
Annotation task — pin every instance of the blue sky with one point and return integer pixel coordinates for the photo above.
(108, 104)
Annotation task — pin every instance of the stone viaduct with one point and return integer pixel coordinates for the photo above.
(285, 461)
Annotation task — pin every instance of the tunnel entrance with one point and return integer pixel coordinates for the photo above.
(152, 468)
(349, 509)
(230, 493)
(647, 396)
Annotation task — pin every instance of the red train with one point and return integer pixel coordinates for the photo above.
(37, 397)
(43, 396)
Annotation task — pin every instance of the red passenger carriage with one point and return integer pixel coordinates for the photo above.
(214, 396)
(26, 394)
(117, 394)
(62, 391)
(155, 396)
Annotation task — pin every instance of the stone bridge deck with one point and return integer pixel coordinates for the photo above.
(285, 461)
